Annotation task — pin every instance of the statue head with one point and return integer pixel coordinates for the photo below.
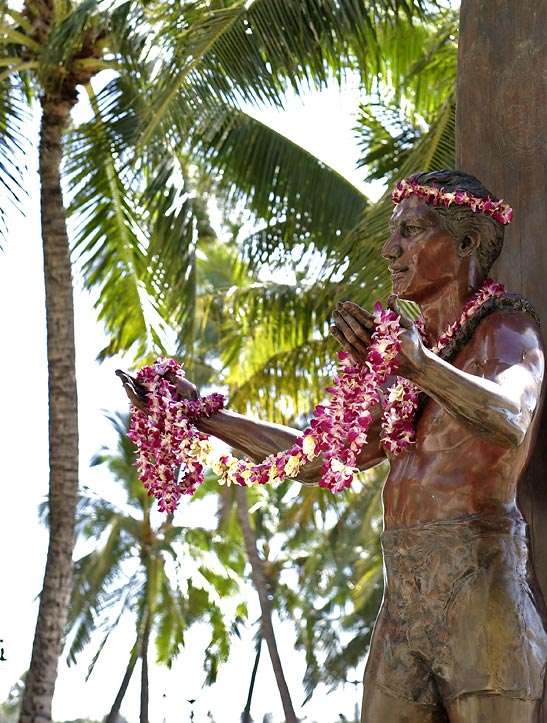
(464, 208)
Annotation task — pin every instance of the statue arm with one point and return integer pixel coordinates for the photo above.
(257, 439)
(253, 438)
(498, 389)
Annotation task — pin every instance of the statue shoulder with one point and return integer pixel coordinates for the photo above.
(506, 310)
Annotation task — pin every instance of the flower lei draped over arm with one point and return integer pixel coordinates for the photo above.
(172, 452)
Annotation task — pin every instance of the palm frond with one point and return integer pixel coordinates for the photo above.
(248, 50)
(75, 40)
(365, 278)
(417, 75)
(276, 350)
(14, 114)
(110, 234)
(299, 198)
(179, 230)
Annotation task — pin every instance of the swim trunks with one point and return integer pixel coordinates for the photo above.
(460, 613)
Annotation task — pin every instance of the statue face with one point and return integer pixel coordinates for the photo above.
(423, 258)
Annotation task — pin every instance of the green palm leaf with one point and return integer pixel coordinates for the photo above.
(234, 50)
(13, 143)
(299, 199)
(366, 277)
(126, 574)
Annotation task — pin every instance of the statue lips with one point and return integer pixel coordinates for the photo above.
(397, 271)
(398, 281)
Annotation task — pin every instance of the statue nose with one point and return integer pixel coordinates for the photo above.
(392, 249)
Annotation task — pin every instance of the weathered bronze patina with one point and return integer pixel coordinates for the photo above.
(461, 634)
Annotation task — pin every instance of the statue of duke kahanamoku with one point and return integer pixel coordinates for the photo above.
(461, 633)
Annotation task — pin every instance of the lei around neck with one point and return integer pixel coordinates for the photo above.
(172, 453)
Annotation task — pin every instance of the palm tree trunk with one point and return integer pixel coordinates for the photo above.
(259, 579)
(246, 715)
(112, 717)
(144, 670)
(63, 422)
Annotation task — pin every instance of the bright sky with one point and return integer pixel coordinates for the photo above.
(323, 125)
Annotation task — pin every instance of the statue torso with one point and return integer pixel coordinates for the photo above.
(450, 472)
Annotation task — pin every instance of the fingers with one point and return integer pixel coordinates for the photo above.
(134, 390)
(356, 355)
(135, 399)
(393, 304)
(362, 316)
(132, 381)
(352, 329)
(354, 326)
(185, 389)
(124, 376)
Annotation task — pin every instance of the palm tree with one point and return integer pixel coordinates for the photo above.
(163, 607)
(179, 73)
(261, 585)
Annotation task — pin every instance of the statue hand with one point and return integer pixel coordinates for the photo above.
(134, 390)
(353, 328)
(412, 350)
(137, 394)
(184, 387)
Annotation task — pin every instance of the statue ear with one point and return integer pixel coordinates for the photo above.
(469, 244)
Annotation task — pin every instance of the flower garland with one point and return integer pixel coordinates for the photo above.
(499, 211)
(167, 440)
(172, 452)
(402, 399)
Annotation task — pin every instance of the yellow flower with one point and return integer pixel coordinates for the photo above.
(203, 449)
(226, 467)
(308, 446)
(219, 468)
(292, 465)
(273, 474)
(396, 393)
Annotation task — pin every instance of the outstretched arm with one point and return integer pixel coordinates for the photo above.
(252, 438)
(257, 439)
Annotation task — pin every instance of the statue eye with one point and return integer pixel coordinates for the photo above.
(412, 230)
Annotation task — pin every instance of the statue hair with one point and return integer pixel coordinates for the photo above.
(460, 221)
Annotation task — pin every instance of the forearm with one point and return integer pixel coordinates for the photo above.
(257, 439)
(479, 404)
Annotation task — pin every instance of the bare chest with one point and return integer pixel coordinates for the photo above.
(449, 472)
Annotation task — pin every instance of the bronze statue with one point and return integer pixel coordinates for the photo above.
(461, 633)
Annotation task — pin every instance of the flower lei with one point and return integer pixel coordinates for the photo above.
(402, 398)
(499, 211)
(172, 453)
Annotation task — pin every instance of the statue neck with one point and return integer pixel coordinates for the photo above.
(446, 307)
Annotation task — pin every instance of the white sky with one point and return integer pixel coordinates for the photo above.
(323, 125)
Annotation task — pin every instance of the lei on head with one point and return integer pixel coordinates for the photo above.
(172, 453)
(499, 211)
